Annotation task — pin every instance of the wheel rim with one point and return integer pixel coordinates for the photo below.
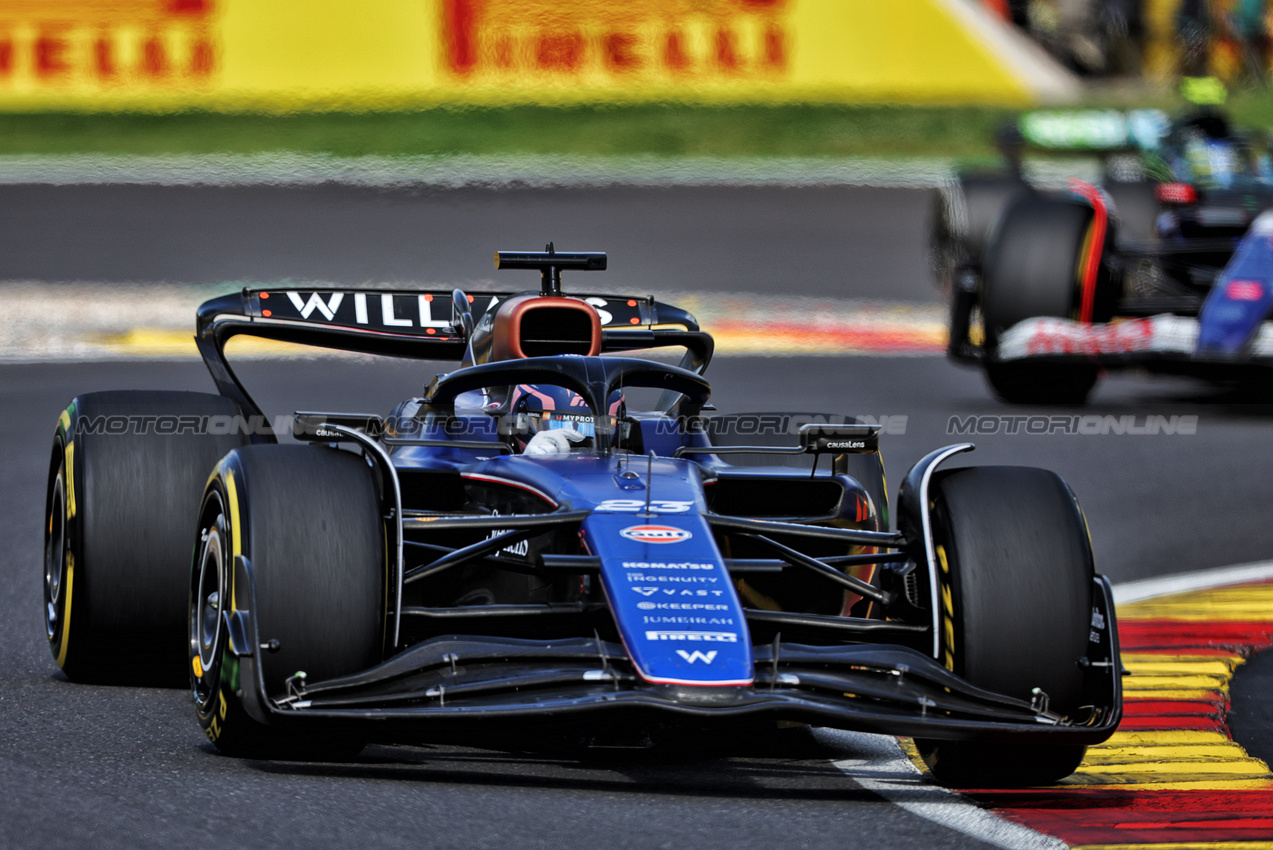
(209, 591)
(55, 557)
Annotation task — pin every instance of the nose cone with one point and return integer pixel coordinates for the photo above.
(1241, 297)
(672, 598)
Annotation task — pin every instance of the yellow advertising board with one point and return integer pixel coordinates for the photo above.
(61, 52)
(306, 54)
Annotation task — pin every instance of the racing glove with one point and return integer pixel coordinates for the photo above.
(557, 442)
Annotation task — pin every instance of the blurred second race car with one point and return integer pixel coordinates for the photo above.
(1167, 265)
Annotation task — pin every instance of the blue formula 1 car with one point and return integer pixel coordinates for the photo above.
(528, 549)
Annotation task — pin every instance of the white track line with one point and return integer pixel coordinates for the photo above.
(297, 169)
(286, 169)
(1135, 591)
(885, 770)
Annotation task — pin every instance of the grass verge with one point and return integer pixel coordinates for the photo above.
(658, 130)
(960, 132)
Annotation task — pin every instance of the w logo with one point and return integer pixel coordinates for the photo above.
(697, 655)
(316, 303)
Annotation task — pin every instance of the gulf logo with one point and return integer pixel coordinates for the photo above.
(655, 534)
(1244, 290)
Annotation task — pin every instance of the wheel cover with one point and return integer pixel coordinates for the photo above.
(208, 595)
(55, 556)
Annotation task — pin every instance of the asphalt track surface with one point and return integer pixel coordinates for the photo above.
(119, 767)
(766, 240)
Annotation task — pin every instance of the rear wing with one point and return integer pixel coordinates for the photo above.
(413, 324)
(1091, 131)
(1114, 137)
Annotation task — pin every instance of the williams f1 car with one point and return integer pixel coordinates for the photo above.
(526, 550)
(1170, 273)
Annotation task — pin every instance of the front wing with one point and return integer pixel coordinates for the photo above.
(1164, 340)
(452, 683)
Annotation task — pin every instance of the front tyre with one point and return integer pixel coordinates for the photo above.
(1041, 383)
(1017, 577)
(308, 521)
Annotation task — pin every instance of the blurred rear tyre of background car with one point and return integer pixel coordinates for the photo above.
(1034, 269)
(125, 478)
(963, 215)
(1017, 574)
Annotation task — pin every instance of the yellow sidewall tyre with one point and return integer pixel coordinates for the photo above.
(1016, 592)
(126, 473)
(308, 520)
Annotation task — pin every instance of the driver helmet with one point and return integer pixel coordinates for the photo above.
(540, 407)
(536, 325)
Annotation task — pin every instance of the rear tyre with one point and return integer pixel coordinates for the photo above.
(125, 478)
(963, 215)
(1016, 573)
(309, 522)
(1034, 268)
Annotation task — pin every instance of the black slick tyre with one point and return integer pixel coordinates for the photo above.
(1017, 578)
(1034, 268)
(963, 215)
(126, 475)
(309, 523)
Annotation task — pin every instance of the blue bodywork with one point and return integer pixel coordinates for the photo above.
(664, 577)
(1239, 301)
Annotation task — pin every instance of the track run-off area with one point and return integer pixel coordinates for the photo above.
(799, 285)
(1172, 775)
